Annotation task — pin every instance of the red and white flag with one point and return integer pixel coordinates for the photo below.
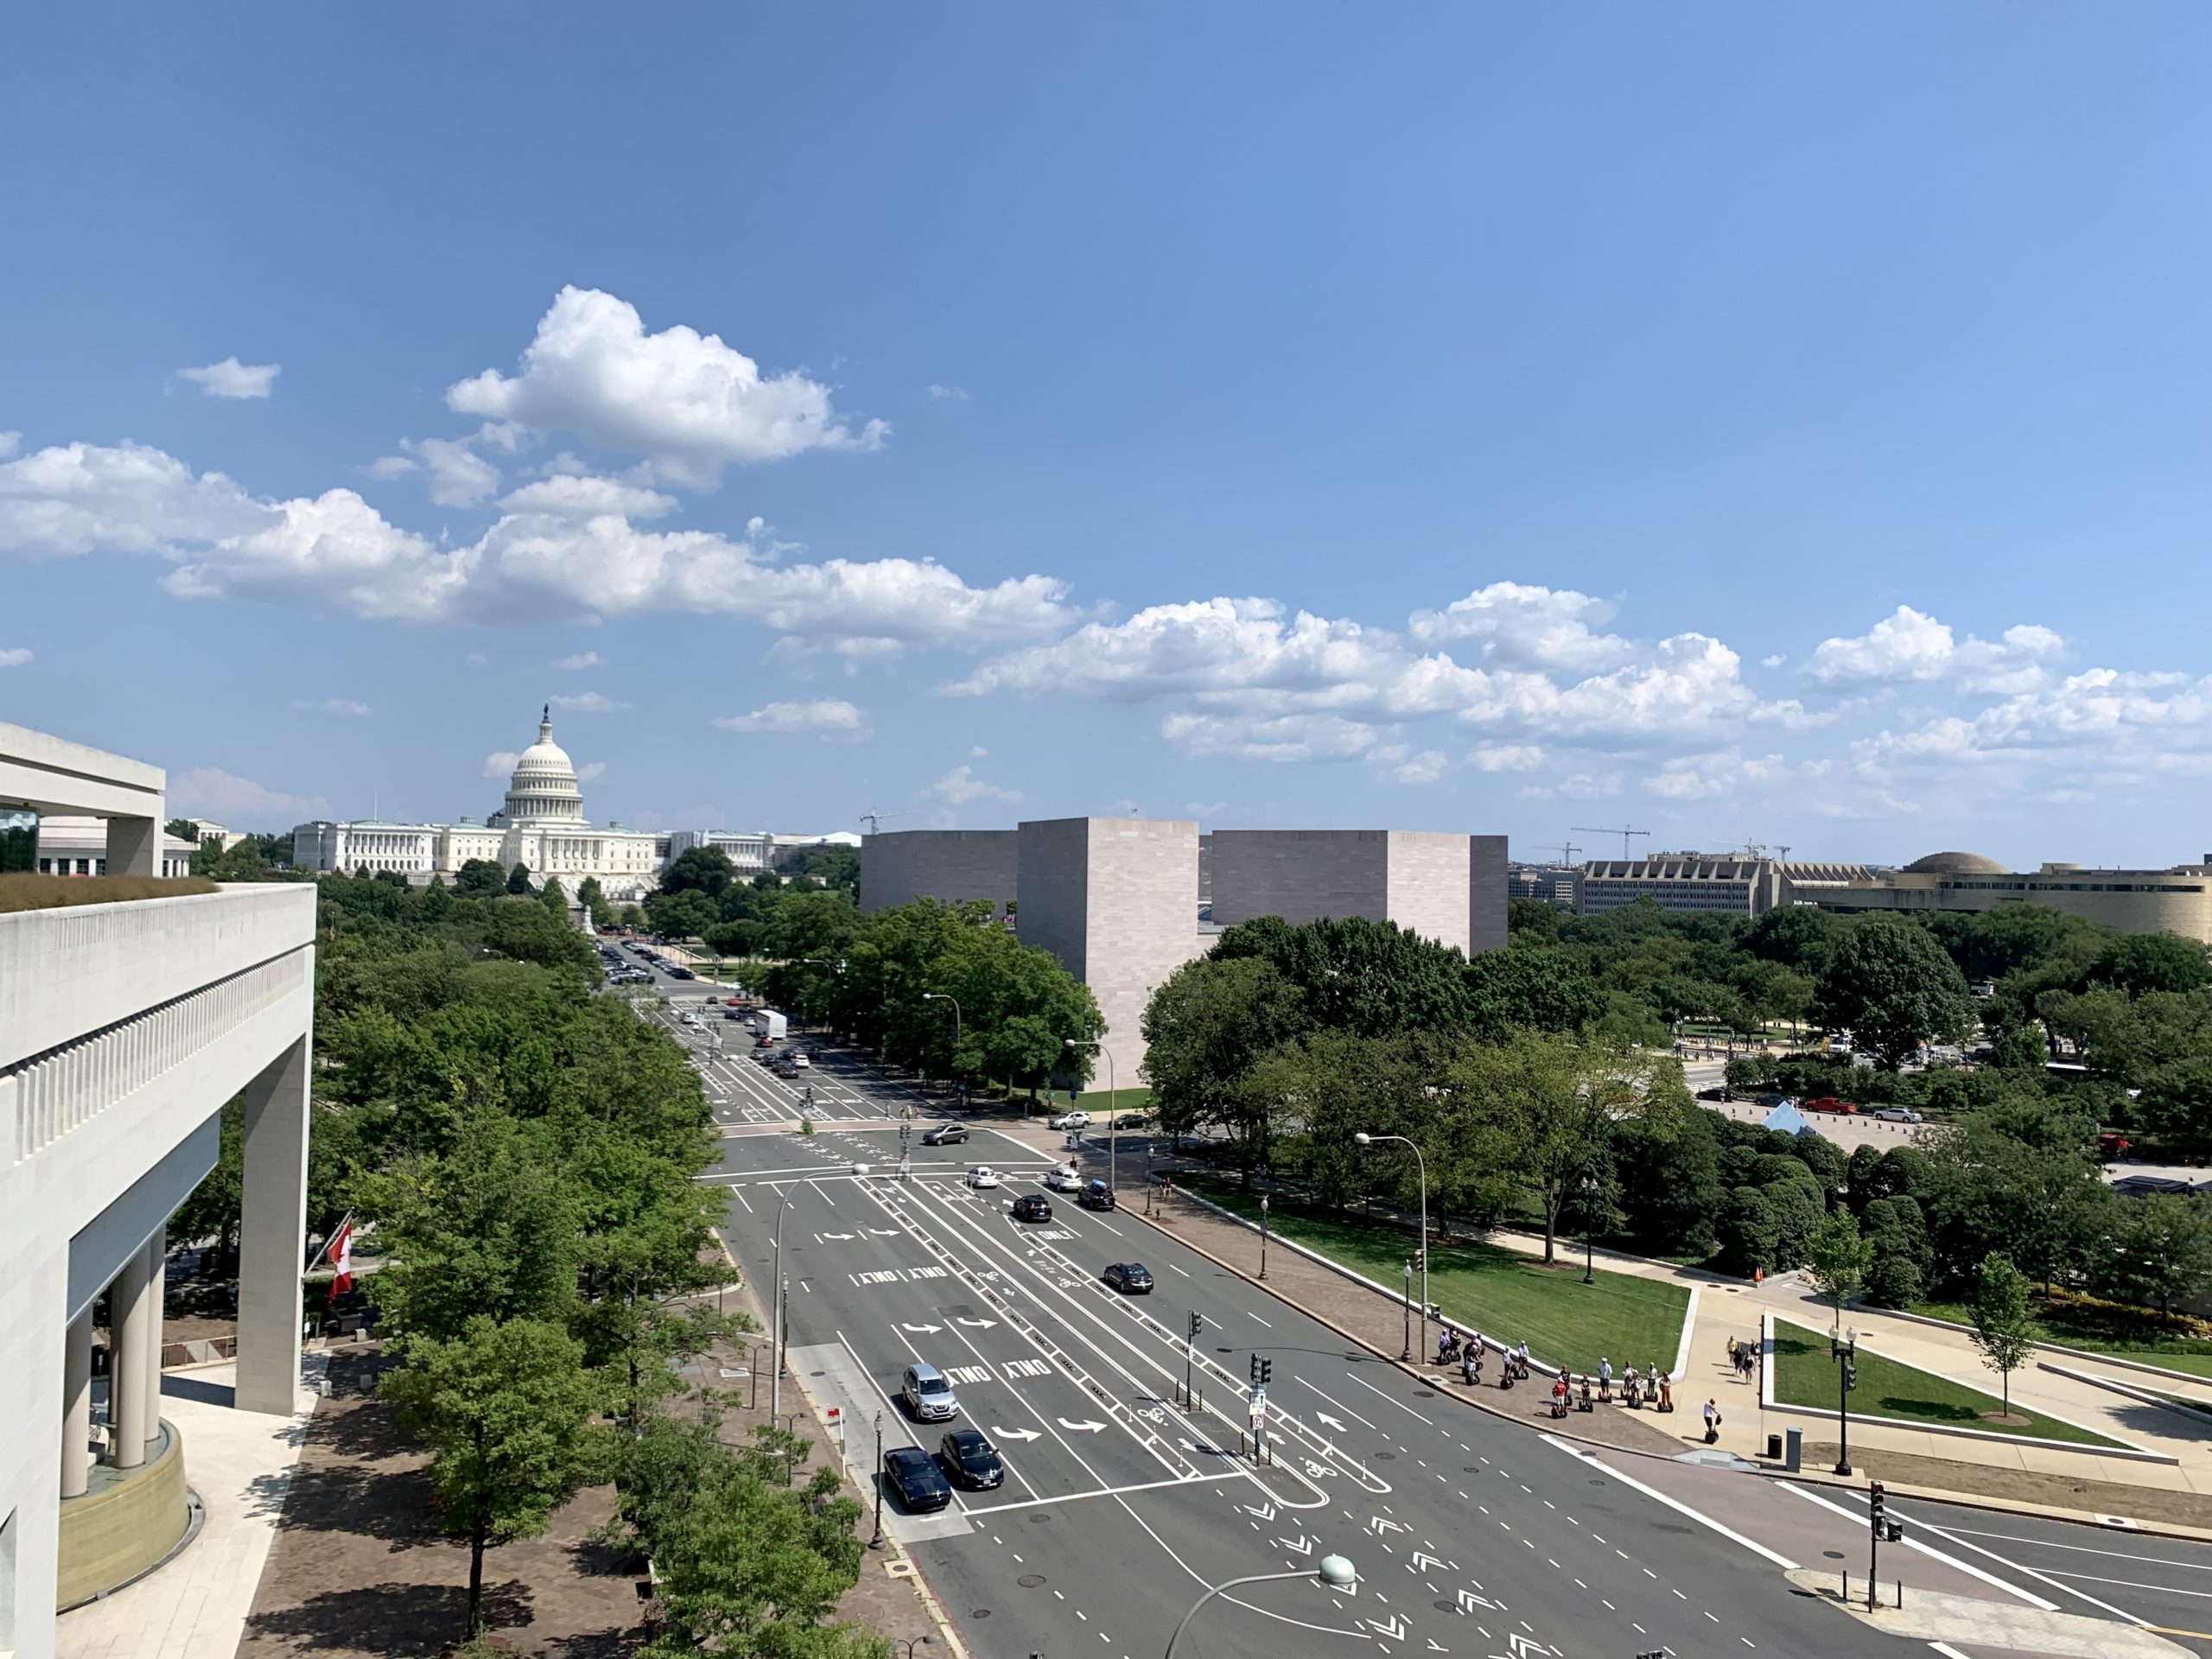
(341, 1257)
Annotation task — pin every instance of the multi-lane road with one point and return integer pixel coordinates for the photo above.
(1125, 1498)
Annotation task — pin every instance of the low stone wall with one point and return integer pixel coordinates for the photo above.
(124, 1526)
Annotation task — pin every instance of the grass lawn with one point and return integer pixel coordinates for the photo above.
(1504, 1295)
(1805, 1376)
(1095, 1101)
(2075, 1327)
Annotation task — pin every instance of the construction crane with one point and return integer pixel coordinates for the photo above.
(1566, 854)
(1622, 831)
(874, 820)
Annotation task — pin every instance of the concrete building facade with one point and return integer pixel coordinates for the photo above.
(1721, 884)
(2176, 899)
(124, 1027)
(1430, 883)
(955, 866)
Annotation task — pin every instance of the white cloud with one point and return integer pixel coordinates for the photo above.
(1283, 738)
(474, 659)
(979, 752)
(15, 656)
(589, 703)
(500, 764)
(1910, 646)
(335, 549)
(688, 403)
(209, 792)
(459, 476)
(1507, 757)
(1423, 768)
(948, 394)
(81, 498)
(831, 718)
(232, 378)
(591, 772)
(582, 659)
(580, 495)
(1576, 786)
(961, 785)
(1776, 660)
(1704, 777)
(9, 443)
(1527, 627)
(391, 467)
(333, 706)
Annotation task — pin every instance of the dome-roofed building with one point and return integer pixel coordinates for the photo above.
(541, 825)
(1955, 864)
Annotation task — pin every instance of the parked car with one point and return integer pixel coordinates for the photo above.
(1096, 1195)
(1068, 1121)
(801, 1058)
(1715, 1093)
(1898, 1115)
(1066, 1178)
(928, 1395)
(971, 1459)
(1829, 1104)
(1129, 1121)
(1032, 1206)
(678, 972)
(2113, 1146)
(915, 1480)
(945, 1134)
(983, 1176)
(1130, 1278)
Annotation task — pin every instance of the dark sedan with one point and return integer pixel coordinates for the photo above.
(971, 1459)
(1130, 1278)
(1032, 1206)
(1096, 1196)
(914, 1477)
(945, 1134)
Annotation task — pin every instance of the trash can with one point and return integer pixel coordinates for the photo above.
(1793, 1456)
(1773, 1448)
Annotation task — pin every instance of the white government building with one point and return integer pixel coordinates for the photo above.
(540, 826)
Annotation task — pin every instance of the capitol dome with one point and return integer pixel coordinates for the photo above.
(544, 787)
(1954, 864)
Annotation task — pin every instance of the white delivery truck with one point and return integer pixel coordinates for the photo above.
(768, 1026)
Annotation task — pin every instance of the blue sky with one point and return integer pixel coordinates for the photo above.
(1729, 421)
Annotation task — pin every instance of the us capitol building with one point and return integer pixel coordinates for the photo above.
(541, 826)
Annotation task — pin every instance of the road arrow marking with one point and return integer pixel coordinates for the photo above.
(883, 1232)
(1303, 1547)
(1423, 1562)
(1379, 1524)
(1524, 1645)
(1084, 1427)
(833, 1235)
(1013, 1433)
(923, 1330)
(1324, 1417)
(1264, 1512)
(1395, 1629)
(978, 1325)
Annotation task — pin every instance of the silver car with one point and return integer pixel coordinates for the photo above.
(927, 1395)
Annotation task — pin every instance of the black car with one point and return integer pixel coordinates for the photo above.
(1096, 1195)
(1129, 1121)
(945, 1134)
(913, 1475)
(1031, 1206)
(970, 1459)
(1130, 1278)
(675, 972)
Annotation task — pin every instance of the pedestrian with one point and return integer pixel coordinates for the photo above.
(1712, 1421)
(1732, 1353)
(1604, 1378)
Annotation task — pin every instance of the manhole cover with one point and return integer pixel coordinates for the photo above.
(1030, 1580)
(1449, 1607)
(1673, 1525)
(1597, 1483)
(1386, 1456)
(1039, 1520)
(817, 1373)
(979, 1612)
(1833, 1554)
(1423, 1393)
(1469, 1468)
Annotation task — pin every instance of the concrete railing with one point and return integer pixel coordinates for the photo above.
(66, 974)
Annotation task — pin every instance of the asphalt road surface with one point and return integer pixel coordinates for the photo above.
(1125, 1499)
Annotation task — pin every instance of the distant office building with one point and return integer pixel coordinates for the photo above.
(955, 866)
(1124, 902)
(1716, 884)
(2176, 899)
(77, 846)
(754, 852)
(1551, 884)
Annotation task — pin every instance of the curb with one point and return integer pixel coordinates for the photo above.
(2187, 1408)
(2124, 1361)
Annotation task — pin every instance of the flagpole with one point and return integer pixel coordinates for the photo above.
(335, 1234)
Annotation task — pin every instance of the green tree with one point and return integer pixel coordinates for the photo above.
(2003, 1330)
(1672, 1195)
(1799, 937)
(1891, 986)
(593, 898)
(183, 829)
(1530, 987)
(1838, 1259)
(1747, 1231)
(1374, 978)
(479, 878)
(504, 1408)
(554, 899)
(683, 914)
(1204, 1029)
(2176, 1104)
(518, 879)
(2160, 1253)
(699, 870)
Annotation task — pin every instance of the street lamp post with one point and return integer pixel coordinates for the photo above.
(1589, 1222)
(1846, 1378)
(947, 996)
(1363, 1138)
(1335, 1572)
(1113, 1117)
(781, 1291)
(876, 1542)
(1263, 1237)
(902, 1647)
(1408, 1353)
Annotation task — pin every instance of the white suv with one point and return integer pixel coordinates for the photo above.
(1068, 1120)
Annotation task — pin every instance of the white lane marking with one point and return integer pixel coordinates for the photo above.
(1400, 1404)
(1857, 1518)
(1258, 1317)
(1946, 1650)
(740, 1197)
(1179, 1270)
(1337, 1403)
(1676, 1505)
(2082, 1549)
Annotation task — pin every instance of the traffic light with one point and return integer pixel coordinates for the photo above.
(1876, 1498)
(1197, 1325)
(1262, 1370)
(1256, 1371)
(1850, 1375)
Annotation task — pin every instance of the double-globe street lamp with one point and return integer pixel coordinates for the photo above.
(1335, 1573)
(1363, 1138)
(1113, 1115)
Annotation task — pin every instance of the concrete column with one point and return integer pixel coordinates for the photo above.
(76, 1407)
(131, 1408)
(134, 846)
(157, 1287)
(272, 1232)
